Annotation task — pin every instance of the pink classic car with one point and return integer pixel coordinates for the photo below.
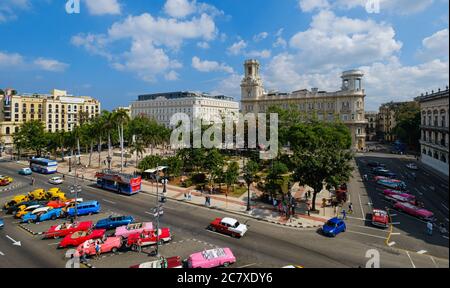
(415, 211)
(396, 196)
(211, 258)
(111, 244)
(133, 228)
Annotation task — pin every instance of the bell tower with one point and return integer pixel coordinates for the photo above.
(251, 86)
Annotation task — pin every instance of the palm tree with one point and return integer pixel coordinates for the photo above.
(107, 120)
(120, 118)
(139, 148)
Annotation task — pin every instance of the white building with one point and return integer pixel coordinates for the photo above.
(346, 104)
(163, 106)
(434, 126)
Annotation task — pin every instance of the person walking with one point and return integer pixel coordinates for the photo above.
(350, 208)
(97, 249)
(189, 195)
(308, 208)
(344, 214)
(430, 229)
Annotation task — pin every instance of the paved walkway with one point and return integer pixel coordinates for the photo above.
(260, 210)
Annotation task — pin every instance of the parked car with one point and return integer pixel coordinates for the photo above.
(63, 204)
(113, 222)
(56, 194)
(22, 210)
(146, 238)
(111, 244)
(77, 238)
(7, 178)
(412, 166)
(56, 180)
(38, 194)
(2, 223)
(4, 182)
(43, 214)
(401, 198)
(125, 231)
(16, 200)
(375, 164)
(211, 258)
(84, 208)
(393, 184)
(333, 227)
(171, 262)
(415, 211)
(25, 171)
(385, 173)
(380, 218)
(228, 226)
(65, 229)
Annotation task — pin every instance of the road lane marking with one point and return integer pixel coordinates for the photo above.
(360, 205)
(365, 234)
(393, 215)
(444, 206)
(248, 265)
(391, 244)
(1, 253)
(434, 262)
(422, 252)
(356, 218)
(368, 227)
(396, 233)
(52, 244)
(110, 202)
(412, 263)
(396, 223)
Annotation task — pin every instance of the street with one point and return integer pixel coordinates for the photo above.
(266, 245)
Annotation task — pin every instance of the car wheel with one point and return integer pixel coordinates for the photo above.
(30, 221)
(226, 264)
(53, 217)
(56, 237)
(134, 247)
(213, 229)
(115, 250)
(161, 242)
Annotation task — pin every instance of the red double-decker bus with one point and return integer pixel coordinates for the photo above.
(127, 184)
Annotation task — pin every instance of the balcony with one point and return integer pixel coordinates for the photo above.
(437, 128)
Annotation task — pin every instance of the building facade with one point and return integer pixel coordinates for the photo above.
(372, 125)
(434, 129)
(161, 107)
(346, 104)
(58, 111)
(387, 120)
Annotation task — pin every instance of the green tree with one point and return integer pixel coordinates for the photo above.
(231, 175)
(321, 155)
(32, 136)
(250, 174)
(275, 179)
(408, 124)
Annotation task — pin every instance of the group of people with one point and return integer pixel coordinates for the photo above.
(188, 196)
(286, 207)
(208, 201)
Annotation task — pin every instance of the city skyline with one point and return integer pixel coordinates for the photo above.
(116, 50)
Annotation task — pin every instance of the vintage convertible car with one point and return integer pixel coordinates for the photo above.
(380, 218)
(38, 194)
(171, 262)
(125, 231)
(111, 244)
(415, 211)
(79, 237)
(228, 226)
(393, 184)
(16, 200)
(113, 222)
(22, 210)
(43, 214)
(137, 240)
(64, 229)
(211, 258)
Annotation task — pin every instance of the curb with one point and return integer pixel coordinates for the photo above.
(30, 231)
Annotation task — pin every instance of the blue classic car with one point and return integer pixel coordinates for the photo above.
(43, 214)
(2, 224)
(113, 222)
(393, 184)
(333, 227)
(25, 171)
(84, 208)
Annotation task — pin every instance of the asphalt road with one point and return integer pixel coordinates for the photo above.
(265, 245)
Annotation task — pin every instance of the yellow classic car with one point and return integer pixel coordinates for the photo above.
(25, 210)
(16, 200)
(38, 194)
(10, 179)
(56, 194)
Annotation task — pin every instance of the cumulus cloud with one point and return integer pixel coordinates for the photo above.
(237, 47)
(17, 61)
(10, 59)
(179, 8)
(203, 45)
(210, 66)
(311, 5)
(229, 86)
(435, 46)
(261, 36)
(259, 54)
(51, 65)
(151, 41)
(9, 9)
(103, 7)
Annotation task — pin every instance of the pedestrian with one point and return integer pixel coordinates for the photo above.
(350, 208)
(293, 205)
(185, 196)
(365, 177)
(97, 250)
(189, 196)
(309, 194)
(430, 228)
(344, 214)
(64, 176)
(308, 208)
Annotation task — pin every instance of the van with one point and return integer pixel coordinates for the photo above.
(84, 208)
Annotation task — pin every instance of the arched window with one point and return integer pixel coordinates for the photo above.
(8, 131)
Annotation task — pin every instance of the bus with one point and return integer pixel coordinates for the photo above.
(43, 166)
(122, 183)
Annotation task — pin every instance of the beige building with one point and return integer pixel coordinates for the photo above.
(346, 104)
(372, 125)
(387, 120)
(163, 106)
(434, 129)
(58, 111)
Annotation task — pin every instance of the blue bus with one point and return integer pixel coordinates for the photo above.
(127, 184)
(43, 166)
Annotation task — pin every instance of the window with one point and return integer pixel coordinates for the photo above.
(443, 158)
(16, 107)
(16, 129)
(8, 131)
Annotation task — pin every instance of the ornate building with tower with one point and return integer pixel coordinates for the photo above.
(347, 104)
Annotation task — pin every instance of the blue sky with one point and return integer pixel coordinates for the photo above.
(115, 50)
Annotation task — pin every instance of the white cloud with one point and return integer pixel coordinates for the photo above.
(51, 65)
(149, 36)
(10, 59)
(237, 47)
(171, 76)
(229, 86)
(259, 54)
(203, 45)
(103, 7)
(435, 46)
(179, 8)
(311, 5)
(261, 36)
(9, 8)
(210, 66)
(280, 42)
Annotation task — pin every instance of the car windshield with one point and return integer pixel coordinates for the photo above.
(236, 225)
(331, 224)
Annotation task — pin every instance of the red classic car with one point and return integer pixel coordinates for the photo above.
(62, 204)
(380, 218)
(228, 226)
(64, 229)
(111, 244)
(137, 240)
(79, 237)
(171, 262)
